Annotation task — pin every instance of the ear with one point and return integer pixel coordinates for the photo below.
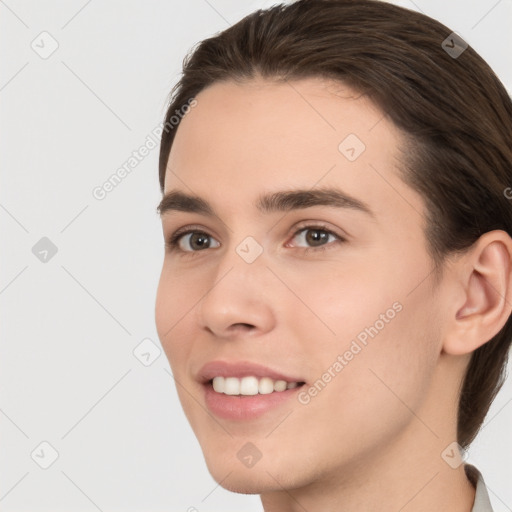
(483, 281)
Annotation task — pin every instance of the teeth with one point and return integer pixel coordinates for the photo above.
(232, 386)
(279, 385)
(250, 385)
(265, 386)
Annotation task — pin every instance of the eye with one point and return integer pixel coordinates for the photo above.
(312, 237)
(306, 238)
(191, 241)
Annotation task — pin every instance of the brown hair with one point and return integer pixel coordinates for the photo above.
(455, 114)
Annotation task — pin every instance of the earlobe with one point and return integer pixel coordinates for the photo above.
(486, 281)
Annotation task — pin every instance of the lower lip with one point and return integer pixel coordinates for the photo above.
(245, 407)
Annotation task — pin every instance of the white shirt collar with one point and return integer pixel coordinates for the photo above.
(482, 502)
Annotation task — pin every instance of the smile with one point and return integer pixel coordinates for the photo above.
(242, 390)
(251, 385)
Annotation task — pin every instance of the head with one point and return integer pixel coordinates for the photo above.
(413, 278)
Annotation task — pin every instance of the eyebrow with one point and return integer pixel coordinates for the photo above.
(281, 201)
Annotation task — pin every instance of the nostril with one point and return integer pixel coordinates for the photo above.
(242, 326)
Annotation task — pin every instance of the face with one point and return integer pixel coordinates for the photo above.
(330, 290)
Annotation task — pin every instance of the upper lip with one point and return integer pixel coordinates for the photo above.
(241, 369)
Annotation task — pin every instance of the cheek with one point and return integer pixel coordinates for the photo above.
(384, 335)
(346, 301)
(373, 391)
(175, 299)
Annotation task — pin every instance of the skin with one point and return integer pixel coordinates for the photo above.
(372, 438)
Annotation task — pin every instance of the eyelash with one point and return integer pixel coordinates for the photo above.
(173, 242)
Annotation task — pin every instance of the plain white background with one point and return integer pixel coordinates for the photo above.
(69, 325)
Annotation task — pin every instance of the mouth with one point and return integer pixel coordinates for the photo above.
(244, 391)
(250, 385)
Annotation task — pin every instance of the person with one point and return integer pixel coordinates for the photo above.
(335, 296)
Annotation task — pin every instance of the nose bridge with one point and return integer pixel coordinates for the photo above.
(243, 265)
(238, 293)
(245, 251)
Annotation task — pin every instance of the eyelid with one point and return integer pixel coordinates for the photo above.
(312, 224)
(173, 241)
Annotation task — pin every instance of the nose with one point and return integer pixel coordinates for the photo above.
(238, 300)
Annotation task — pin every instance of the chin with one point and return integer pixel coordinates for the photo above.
(263, 477)
(242, 480)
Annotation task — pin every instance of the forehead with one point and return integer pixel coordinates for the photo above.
(309, 117)
(297, 134)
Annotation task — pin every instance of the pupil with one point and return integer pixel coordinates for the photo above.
(317, 236)
(201, 239)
